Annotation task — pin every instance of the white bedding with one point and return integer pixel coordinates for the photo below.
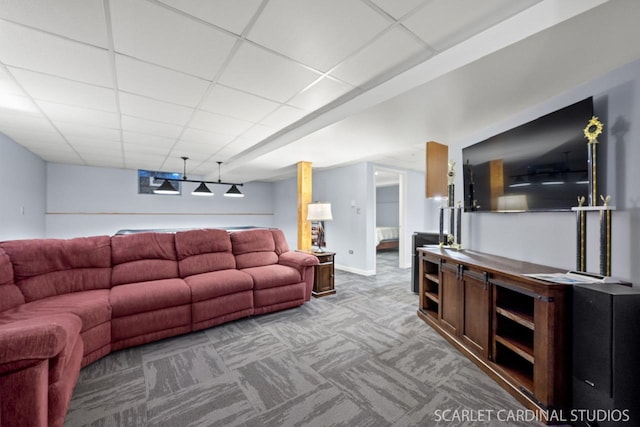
(386, 233)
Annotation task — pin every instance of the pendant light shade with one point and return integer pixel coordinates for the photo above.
(233, 192)
(202, 190)
(166, 188)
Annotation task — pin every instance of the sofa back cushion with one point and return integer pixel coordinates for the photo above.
(201, 251)
(48, 267)
(254, 248)
(10, 295)
(280, 241)
(142, 257)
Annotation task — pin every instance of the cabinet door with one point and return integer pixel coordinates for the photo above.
(450, 299)
(324, 278)
(475, 327)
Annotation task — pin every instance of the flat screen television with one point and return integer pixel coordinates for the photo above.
(541, 165)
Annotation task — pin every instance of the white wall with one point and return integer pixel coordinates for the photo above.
(285, 200)
(350, 191)
(550, 238)
(85, 201)
(388, 206)
(22, 194)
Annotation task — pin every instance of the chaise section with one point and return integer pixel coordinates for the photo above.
(39, 367)
(219, 292)
(148, 299)
(275, 286)
(65, 276)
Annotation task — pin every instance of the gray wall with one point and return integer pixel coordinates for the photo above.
(84, 200)
(550, 238)
(388, 206)
(349, 189)
(22, 193)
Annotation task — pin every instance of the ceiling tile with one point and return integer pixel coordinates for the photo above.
(17, 103)
(259, 132)
(81, 20)
(333, 29)
(149, 127)
(8, 85)
(55, 56)
(30, 121)
(234, 103)
(232, 15)
(50, 88)
(147, 108)
(394, 47)
(398, 8)
(441, 25)
(134, 138)
(258, 71)
(130, 148)
(194, 150)
(159, 83)
(57, 154)
(284, 116)
(140, 29)
(213, 139)
(102, 156)
(98, 143)
(321, 93)
(141, 160)
(217, 123)
(66, 113)
(78, 130)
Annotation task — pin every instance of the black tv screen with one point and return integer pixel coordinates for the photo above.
(538, 166)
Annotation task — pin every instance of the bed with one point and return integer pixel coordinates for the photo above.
(387, 238)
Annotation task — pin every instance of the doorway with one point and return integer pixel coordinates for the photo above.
(388, 230)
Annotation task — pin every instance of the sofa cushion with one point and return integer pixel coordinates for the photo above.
(46, 267)
(271, 276)
(201, 251)
(141, 297)
(143, 257)
(92, 307)
(10, 295)
(280, 241)
(217, 283)
(253, 248)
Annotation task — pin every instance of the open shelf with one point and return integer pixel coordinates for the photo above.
(521, 348)
(433, 277)
(430, 288)
(522, 318)
(516, 367)
(517, 304)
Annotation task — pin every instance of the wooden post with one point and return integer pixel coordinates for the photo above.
(437, 158)
(304, 198)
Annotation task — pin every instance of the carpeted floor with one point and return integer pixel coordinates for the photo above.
(361, 357)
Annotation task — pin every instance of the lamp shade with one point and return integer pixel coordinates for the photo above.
(166, 188)
(233, 192)
(319, 212)
(202, 190)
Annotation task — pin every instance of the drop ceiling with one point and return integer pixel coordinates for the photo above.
(263, 84)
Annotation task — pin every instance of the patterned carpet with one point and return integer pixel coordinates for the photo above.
(361, 357)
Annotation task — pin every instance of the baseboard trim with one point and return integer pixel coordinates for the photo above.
(355, 270)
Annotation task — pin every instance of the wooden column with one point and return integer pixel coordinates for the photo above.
(304, 198)
(437, 158)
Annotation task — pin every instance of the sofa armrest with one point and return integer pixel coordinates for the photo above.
(297, 260)
(26, 342)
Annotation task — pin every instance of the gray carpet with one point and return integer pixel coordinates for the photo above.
(361, 357)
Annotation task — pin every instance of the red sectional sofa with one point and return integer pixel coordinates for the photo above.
(66, 303)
